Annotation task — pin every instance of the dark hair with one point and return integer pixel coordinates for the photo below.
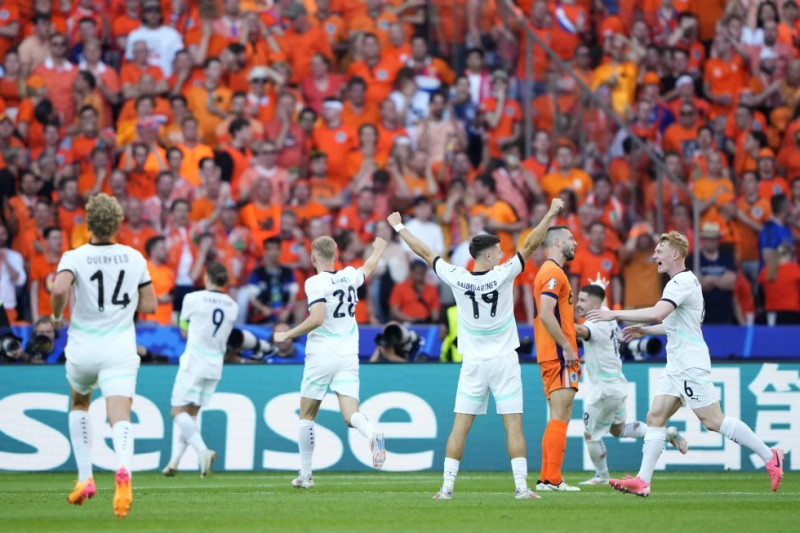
(548, 237)
(236, 48)
(597, 223)
(594, 290)
(209, 60)
(178, 202)
(50, 229)
(487, 180)
(38, 17)
(178, 97)
(602, 177)
(204, 160)
(237, 125)
(272, 240)
(89, 78)
(87, 108)
(356, 80)
(151, 243)
(217, 273)
(481, 242)
(172, 150)
(778, 201)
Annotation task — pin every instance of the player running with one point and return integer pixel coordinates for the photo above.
(687, 376)
(206, 321)
(332, 350)
(556, 352)
(488, 338)
(604, 406)
(110, 283)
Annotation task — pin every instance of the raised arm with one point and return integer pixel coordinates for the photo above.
(413, 242)
(536, 237)
(372, 261)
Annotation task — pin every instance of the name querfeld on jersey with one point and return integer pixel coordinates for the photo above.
(107, 259)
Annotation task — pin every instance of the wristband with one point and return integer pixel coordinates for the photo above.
(398, 227)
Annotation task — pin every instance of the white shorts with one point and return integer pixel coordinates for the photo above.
(693, 386)
(340, 373)
(190, 389)
(500, 375)
(604, 407)
(115, 376)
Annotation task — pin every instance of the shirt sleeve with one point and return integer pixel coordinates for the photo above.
(144, 278)
(68, 263)
(510, 269)
(445, 271)
(187, 308)
(314, 291)
(356, 276)
(678, 290)
(553, 283)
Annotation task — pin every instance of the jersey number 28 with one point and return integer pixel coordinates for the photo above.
(352, 300)
(115, 299)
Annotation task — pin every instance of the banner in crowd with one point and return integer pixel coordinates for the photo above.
(252, 420)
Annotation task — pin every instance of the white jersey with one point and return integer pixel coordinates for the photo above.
(106, 289)
(338, 333)
(601, 352)
(485, 303)
(686, 347)
(211, 315)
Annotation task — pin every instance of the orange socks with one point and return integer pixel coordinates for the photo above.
(554, 445)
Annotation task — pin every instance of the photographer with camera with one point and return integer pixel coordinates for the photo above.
(10, 345)
(604, 407)
(42, 342)
(396, 344)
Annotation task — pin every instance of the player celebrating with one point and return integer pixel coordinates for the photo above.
(332, 350)
(110, 283)
(206, 321)
(556, 352)
(687, 376)
(604, 407)
(488, 339)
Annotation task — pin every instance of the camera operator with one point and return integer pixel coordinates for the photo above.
(395, 344)
(42, 342)
(10, 345)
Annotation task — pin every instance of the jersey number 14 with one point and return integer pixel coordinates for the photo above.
(115, 299)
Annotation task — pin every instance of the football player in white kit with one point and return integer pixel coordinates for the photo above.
(110, 284)
(332, 350)
(207, 318)
(488, 339)
(687, 376)
(604, 407)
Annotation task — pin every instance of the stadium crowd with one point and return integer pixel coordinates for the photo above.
(239, 131)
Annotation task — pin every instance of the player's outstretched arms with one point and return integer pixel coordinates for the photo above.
(314, 320)
(413, 242)
(59, 295)
(637, 331)
(649, 315)
(378, 248)
(148, 301)
(536, 237)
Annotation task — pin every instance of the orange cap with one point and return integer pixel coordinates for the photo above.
(766, 152)
(563, 141)
(35, 82)
(651, 78)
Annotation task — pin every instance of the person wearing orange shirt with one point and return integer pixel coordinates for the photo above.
(359, 217)
(209, 101)
(357, 109)
(10, 24)
(782, 295)
(681, 137)
(722, 77)
(133, 70)
(336, 139)
(556, 351)
(500, 217)
(377, 19)
(163, 278)
(619, 75)
(236, 157)
(571, 25)
(770, 183)
(415, 300)
(289, 137)
(713, 190)
(331, 23)
(301, 41)
(427, 66)
(23, 204)
(134, 232)
(261, 216)
(377, 70)
(304, 206)
(389, 129)
(566, 175)
(33, 240)
(193, 151)
(595, 261)
(752, 211)
(502, 116)
(43, 270)
(238, 112)
(70, 212)
(264, 165)
(60, 75)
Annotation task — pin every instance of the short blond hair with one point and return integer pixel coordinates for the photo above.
(676, 241)
(325, 248)
(103, 216)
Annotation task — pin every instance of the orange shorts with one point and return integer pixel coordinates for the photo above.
(556, 376)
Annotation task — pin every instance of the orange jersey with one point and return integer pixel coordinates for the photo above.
(163, 282)
(552, 282)
(44, 272)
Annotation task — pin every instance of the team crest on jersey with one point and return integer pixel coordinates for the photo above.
(340, 137)
(330, 28)
(383, 24)
(509, 111)
(552, 283)
(573, 376)
(382, 75)
(757, 212)
(606, 264)
(4, 14)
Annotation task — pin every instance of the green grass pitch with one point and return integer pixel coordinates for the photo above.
(681, 502)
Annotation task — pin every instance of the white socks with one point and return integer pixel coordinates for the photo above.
(362, 425)
(519, 467)
(450, 473)
(741, 434)
(305, 442)
(191, 434)
(80, 434)
(597, 453)
(634, 430)
(122, 436)
(654, 441)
